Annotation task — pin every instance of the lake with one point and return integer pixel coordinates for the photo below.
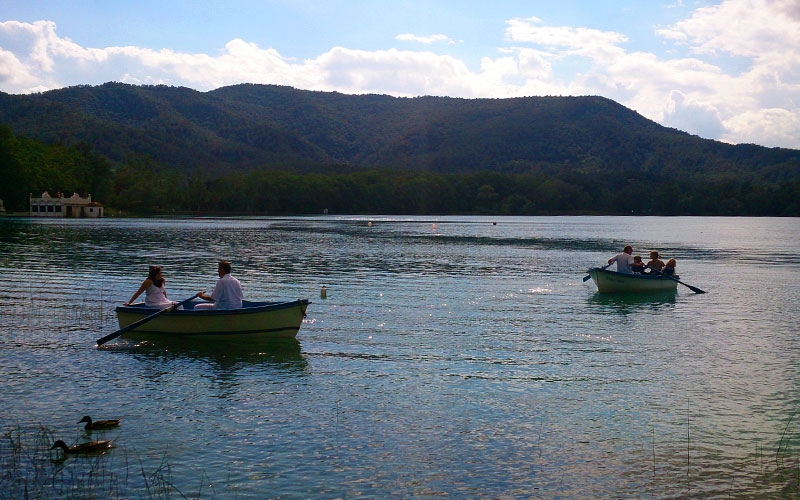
(460, 357)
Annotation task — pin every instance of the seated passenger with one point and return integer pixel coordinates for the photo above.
(638, 266)
(154, 288)
(227, 293)
(655, 264)
(669, 268)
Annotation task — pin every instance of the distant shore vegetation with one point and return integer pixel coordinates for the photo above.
(142, 186)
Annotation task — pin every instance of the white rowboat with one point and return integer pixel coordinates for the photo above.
(614, 282)
(254, 321)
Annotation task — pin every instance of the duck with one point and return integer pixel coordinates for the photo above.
(90, 447)
(98, 425)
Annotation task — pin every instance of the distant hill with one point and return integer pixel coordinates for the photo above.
(249, 127)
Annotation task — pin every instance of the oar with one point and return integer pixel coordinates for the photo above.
(589, 276)
(142, 321)
(673, 278)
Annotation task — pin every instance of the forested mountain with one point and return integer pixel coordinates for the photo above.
(590, 151)
(253, 126)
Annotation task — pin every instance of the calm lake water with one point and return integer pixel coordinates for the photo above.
(459, 357)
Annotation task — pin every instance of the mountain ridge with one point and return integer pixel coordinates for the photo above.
(246, 127)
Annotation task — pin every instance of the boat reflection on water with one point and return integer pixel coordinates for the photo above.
(633, 302)
(283, 353)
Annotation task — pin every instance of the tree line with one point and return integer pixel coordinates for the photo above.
(392, 191)
(142, 186)
(32, 167)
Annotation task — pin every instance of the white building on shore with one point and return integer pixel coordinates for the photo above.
(60, 206)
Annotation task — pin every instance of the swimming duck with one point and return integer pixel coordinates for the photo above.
(100, 424)
(90, 447)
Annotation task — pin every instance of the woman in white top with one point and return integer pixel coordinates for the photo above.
(154, 288)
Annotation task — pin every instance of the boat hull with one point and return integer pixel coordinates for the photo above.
(614, 282)
(255, 320)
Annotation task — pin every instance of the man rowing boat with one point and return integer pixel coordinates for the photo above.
(624, 260)
(227, 293)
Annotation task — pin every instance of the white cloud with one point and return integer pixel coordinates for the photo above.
(765, 34)
(577, 40)
(760, 29)
(682, 113)
(430, 39)
(534, 65)
(765, 126)
(14, 74)
(407, 73)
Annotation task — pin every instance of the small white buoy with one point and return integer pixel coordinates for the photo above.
(323, 294)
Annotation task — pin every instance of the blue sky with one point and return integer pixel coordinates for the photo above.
(721, 69)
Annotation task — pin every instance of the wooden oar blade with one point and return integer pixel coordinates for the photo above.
(692, 288)
(133, 325)
(589, 276)
(673, 278)
(142, 321)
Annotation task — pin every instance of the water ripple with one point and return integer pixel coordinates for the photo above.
(459, 356)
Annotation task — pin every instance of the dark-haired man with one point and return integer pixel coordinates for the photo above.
(227, 293)
(623, 260)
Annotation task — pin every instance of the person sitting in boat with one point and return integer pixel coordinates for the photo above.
(154, 288)
(623, 260)
(227, 293)
(669, 268)
(638, 266)
(655, 264)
